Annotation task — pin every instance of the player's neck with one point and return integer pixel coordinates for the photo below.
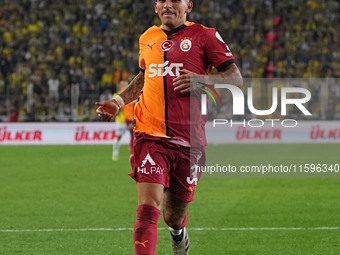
(172, 28)
(171, 32)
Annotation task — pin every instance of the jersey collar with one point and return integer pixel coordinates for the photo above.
(171, 32)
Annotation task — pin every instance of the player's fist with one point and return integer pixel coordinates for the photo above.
(107, 109)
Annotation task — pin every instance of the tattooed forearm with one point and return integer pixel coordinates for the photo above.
(229, 75)
(134, 89)
(232, 75)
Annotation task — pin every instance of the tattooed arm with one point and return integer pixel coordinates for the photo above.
(108, 109)
(231, 74)
(133, 91)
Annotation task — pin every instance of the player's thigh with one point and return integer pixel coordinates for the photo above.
(150, 162)
(185, 175)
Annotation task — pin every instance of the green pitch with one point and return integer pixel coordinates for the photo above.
(53, 199)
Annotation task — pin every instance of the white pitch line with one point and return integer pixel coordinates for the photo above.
(263, 229)
(190, 229)
(67, 230)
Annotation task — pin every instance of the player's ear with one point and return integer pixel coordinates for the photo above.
(156, 7)
(190, 6)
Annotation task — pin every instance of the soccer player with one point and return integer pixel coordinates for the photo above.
(167, 144)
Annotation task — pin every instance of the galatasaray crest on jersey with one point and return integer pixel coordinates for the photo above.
(186, 45)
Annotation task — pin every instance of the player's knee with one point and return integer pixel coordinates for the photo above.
(173, 219)
(150, 194)
(150, 201)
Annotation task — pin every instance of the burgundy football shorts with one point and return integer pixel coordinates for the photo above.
(157, 160)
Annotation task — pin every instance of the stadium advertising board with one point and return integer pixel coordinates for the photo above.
(304, 132)
(103, 133)
(58, 133)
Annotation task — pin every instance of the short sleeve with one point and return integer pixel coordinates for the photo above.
(141, 62)
(141, 58)
(216, 50)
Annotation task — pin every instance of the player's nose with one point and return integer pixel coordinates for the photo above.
(168, 4)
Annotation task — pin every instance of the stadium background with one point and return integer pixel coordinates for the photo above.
(58, 57)
(75, 200)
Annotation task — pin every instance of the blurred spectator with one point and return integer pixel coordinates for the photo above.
(63, 113)
(53, 87)
(13, 117)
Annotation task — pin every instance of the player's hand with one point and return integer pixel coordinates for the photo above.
(107, 109)
(185, 82)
